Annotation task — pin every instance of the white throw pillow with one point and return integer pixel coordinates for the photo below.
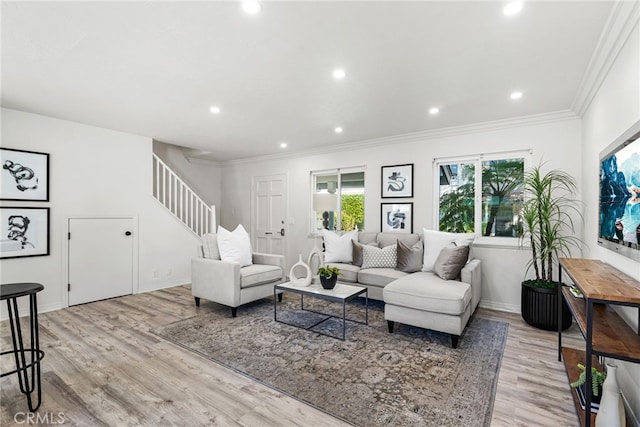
(373, 257)
(235, 246)
(435, 241)
(339, 248)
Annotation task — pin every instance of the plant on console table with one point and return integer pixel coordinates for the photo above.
(597, 379)
(549, 230)
(328, 276)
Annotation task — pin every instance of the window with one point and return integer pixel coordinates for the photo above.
(338, 199)
(482, 194)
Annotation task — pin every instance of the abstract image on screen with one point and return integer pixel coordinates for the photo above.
(620, 196)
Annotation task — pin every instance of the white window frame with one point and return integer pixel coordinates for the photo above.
(312, 185)
(477, 160)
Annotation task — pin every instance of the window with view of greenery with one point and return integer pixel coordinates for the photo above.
(498, 183)
(338, 200)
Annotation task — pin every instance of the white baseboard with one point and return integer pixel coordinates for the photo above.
(165, 285)
(491, 305)
(23, 309)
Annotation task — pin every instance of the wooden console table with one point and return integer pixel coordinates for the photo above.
(606, 334)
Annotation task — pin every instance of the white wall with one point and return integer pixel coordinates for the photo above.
(557, 142)
(95, 171)
(615, 108)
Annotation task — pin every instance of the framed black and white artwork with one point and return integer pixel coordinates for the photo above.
(24, 232)
(396, 217)
(397, 181)
(24, 175)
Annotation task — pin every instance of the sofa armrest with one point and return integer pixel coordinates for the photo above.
(270, 259)
(472, 274)
(215, 280)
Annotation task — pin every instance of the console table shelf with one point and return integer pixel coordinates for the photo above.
(605, 333)
(612, 337)
(571, 358)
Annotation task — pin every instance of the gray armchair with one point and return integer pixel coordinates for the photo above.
(229, 284)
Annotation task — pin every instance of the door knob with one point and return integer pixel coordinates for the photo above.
(282, 231)
(127, 233)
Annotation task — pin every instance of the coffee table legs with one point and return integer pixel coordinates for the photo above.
(329, 316)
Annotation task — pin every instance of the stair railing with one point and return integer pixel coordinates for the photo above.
(181, 200)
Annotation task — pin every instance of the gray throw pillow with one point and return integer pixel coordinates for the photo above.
(357, 253)
(450, 262)
(409, 257)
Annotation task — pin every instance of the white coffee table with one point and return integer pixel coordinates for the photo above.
(342, 293)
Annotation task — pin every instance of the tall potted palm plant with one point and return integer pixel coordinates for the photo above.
(549, 232)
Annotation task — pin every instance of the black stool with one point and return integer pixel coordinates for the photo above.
(11, 292)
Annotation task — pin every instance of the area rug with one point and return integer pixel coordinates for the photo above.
(409, 378)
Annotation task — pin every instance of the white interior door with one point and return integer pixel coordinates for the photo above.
(269, 210)
(100, 258)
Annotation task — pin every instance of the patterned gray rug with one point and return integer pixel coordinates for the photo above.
(412, 377)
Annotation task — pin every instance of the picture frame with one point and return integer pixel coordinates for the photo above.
(397, 181)
(396, 217)
(24, 175)
(24, 232)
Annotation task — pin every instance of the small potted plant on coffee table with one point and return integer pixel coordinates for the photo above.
(328, 276)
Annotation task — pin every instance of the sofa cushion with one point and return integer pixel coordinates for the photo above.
(368, 237)
(373, 257)
(348, 272)
(379, 276)
(450, 262)
(235, 246)
(357, 252)
(257, 274)
(435, 241)
(389, 238)
(409, 257)
(338, 248)
(210, 246)
(426, 291)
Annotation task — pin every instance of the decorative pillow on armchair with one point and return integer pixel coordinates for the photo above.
(339, 248)
(210, 246)
(373, 257)
(235, 246)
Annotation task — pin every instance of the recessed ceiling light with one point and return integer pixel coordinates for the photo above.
(283, 145)
(339, 74)
(215, 109)
(251, 6)
(516, 95)
(338, 129)
(434, 110)
(513, 8)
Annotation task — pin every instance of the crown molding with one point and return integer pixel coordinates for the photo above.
(618, 28)
(531, 120)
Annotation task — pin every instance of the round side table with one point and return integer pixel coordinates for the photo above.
(28, 369)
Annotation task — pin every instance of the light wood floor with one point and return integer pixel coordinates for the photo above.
(103, 367)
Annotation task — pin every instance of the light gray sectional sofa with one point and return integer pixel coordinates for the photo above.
(419, 298)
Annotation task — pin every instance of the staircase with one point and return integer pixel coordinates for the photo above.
(181, 201)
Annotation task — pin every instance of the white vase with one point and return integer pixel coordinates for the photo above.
(611, 412)
(300, 280)
(315, 262)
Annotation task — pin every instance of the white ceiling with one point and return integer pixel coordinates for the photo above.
(155, 68)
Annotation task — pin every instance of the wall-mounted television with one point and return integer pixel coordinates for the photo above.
(619, 226)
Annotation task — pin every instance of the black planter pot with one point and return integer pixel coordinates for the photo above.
(539, 307)
(329, 282)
